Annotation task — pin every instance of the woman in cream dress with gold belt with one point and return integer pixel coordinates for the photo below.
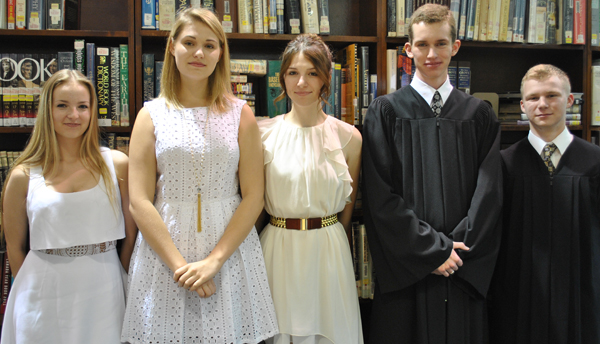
(312, 163)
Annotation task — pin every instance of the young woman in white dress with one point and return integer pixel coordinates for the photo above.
(312, 162)
(64, 207)
(197, 274)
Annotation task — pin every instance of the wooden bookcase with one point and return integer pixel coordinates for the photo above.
(495, 67)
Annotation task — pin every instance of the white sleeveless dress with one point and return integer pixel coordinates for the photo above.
(310, 272)
(75, 295)
(158, 310)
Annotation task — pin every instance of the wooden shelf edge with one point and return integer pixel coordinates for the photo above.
(28, 130)
(595, 128)
(64, 33)
(269, 37)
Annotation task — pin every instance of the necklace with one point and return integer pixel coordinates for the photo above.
(201, 165)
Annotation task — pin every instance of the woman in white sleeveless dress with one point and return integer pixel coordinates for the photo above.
(312, 162)
(69, 196)
(198, 274)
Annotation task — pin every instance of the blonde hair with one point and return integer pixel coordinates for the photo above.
(317, 52)
(42, 148)
(543, 72)
(219, 84)
(431, 14)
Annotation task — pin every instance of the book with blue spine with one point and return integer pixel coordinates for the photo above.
(35, 15)
(90, 62)
(148, 14)
(324, 28)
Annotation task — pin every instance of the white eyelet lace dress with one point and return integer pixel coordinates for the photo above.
(158, 310)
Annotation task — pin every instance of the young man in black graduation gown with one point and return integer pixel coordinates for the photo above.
(432, 198)
(546, 287)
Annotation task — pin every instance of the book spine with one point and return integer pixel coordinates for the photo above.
(310, 19)
(266, 17)
(115, 85)
(14, 94)
(255, 67)
(462, 26)
(65, 60)
(400, 17)
(79, 56)
(531, 22)
(464, 76)
(274, 89)
(343, 96)
(148, 15)
(324, 28)
(391, 18)
(3, 17)
(90, 62)
(209, 4)
(181, 5)
(483, 20)
(6, 277)
(408, 10)
(470, 27)
(337, 99)
(195, 3)
(292, 14)
(568, 21)
(455, 9)
(55, 14)
(225, 10)
(157, 14)
(595, 95)
(258, 16)
(364, 264)
(475, 35)
(167, 14)
(391, 63)
(148, 77)
(272, 16)
(245, 21)
(21, 14)
(124, 79)
(158, 67)
(504, 12)
(35, 13)
(39, 63)
(372, 87)
(364, 69)
(24, 70)
(103, 86)
(512, 23)
(551, 22)
(453, 73)
(579, 20)
(280, 17)
(10, 14)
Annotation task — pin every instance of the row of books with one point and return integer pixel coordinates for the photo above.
(257, 81)
(531, 21)
(39, 14)
(23, 75)
(246, 16)
(510, 112)
(120, 143)
(401, 70)
(595, 76)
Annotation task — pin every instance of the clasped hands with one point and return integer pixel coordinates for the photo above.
(198, 276)
(453, 263)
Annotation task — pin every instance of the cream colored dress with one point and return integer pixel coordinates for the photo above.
(310, 272)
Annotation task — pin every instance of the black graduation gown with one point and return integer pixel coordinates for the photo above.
(428, 182)
(546, 287)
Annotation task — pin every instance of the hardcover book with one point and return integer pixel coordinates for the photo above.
(310, 16)
(292, 16)
(35, 14)
(227, 12)
(79, 56)
(102, 84)
(245, 16)
(124, 87)
(148, 14)
(115, 87)
(21, 14)
(324, 17)
(148, 76)
(274, 90)
(65, 60)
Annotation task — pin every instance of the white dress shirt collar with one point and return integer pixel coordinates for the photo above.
(562, 141)
(427, 91)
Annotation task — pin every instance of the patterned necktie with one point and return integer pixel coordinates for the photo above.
(549, 149)
(436, 104)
